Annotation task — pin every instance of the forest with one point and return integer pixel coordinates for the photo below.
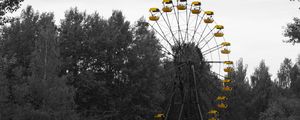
(92, 68)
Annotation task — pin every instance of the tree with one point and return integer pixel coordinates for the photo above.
(19, 38)
(143, 71)
(292, 31)
(76, 38)
(6, 105)
(261, 77)
(282, 108)
(239, 98)
(49, 93)
(8, 6)
(295, 78)
(17, 44)
(31, 86)
(284, 73)
(113, 68)
(261, 91)
(72, 41)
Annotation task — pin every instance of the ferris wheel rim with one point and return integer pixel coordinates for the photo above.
(179, 38)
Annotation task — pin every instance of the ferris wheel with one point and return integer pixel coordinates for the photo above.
(194, 42)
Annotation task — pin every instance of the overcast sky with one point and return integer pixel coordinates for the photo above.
(254, 27)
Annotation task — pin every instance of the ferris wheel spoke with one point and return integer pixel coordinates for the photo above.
(186, 37)
(162, 36)
(207, 42)
(169, 26)
(166, 51)
(202, 39)
(178, 22)
(210, 51)
(173, 35)
(215, 61)
(212, 48)
(163, 33)
(197, 26)
(218, 74)
(203, 31)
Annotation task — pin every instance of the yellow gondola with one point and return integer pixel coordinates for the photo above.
(226, 44)
(196, 11)
(168, 1)
(196, 3)
(209, 13)
(220, 27)
(213, 112)
(181, 7)
(167, 9)
(221, 98)
(219, 34)
(154, 10)
(228, 62)
(226, 88)
(222, 106)
(225, 51)
(226, 81)
(159, 116)
(228, 69)
(154, 18)
(208, 20)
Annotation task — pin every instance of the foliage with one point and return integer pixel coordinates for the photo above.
(261, 91)
(284, 73)
(8, 6)
(292, 31)
(240, 97)
(34, 89)
(282, 108)
(295, 78)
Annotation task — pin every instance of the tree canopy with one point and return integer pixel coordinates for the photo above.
(8, 6)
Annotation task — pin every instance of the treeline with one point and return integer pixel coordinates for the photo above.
(86, 68)
(261, 98)
(92, 68)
